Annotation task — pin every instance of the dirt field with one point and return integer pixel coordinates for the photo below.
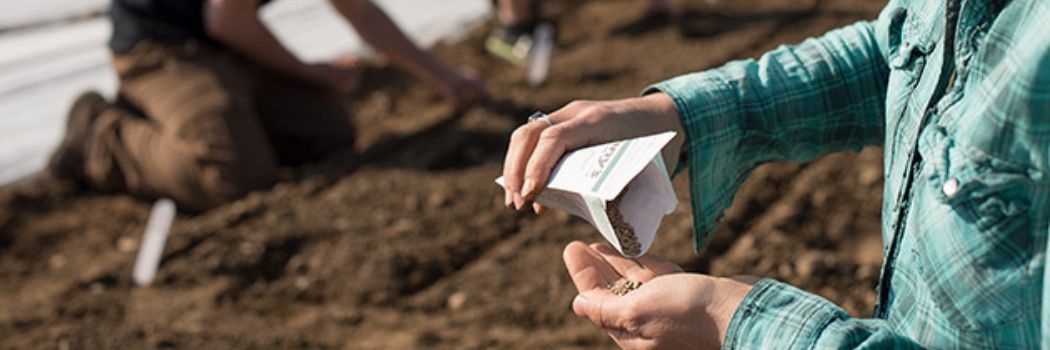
(403, 242)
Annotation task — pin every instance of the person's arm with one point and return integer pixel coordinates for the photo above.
(236, 24)
(376, 28)
(379, 32)
(777, 315)
(1016, 115)
(794, 103)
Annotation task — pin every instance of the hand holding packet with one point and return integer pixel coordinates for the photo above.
(628, 176)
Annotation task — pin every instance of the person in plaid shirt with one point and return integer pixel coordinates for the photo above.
(958, 94)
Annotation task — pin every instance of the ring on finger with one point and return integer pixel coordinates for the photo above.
(541, 116)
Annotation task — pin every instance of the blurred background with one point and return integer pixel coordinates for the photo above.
(56, 49)
(402, 241)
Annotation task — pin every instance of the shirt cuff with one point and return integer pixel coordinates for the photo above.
(777, 315)
(707, 103)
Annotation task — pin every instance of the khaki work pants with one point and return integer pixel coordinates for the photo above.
(204, 126)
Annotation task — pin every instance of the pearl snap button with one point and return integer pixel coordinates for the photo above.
(950, 187)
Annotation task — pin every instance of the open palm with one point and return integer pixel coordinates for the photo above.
(593, 268)
(671, 309)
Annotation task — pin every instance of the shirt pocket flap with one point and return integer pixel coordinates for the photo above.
(982, 188)
(907, 55)
(910, 42)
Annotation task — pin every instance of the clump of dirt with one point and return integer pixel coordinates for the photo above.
(403, 242)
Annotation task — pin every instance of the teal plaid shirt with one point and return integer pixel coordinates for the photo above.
(958, 94)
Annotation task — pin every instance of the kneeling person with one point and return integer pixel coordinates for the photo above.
(210, 102)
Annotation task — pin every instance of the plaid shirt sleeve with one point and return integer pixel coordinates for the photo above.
(795, 103)
(778, 316)
(827, 95)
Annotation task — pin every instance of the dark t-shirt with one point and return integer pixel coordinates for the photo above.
(169, 21)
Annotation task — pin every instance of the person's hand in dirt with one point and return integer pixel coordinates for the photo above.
(379, 32)
(338, 74)
(462, 88)
(536, 147)
(670, 310)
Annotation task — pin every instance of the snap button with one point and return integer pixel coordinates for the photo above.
(951, 187)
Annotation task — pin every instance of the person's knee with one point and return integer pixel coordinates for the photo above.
(222, 183)
(224, 155)
(201, 187)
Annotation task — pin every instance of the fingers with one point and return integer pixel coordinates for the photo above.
(539, 208)
(592, 272)
(588, 269)
(551, 145)
(536, 147)
(522, 143)
(639, 269)
(624, 266)
(568, 133)
(604, 309)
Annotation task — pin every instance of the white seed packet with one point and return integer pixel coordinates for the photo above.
(586, 180)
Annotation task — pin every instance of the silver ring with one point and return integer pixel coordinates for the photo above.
(541, 116)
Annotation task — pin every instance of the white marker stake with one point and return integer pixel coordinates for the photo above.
(160, 219)
(540, 60)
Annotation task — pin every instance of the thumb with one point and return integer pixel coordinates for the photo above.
(606, 311)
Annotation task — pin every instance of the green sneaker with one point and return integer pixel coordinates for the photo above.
(511, 43)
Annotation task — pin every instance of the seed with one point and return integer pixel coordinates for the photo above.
(624, 231)
(624, 286)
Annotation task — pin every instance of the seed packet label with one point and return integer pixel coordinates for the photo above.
(618, 187)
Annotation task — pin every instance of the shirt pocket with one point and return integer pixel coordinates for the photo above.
(909, 47)
(976, 240)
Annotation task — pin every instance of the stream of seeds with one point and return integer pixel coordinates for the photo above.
(624, 231)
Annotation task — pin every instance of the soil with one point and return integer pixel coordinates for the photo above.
(403, 241)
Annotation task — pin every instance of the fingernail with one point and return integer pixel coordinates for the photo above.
(537, 208)
(518, 202)
(528, 188)
(507, 199)
(579, 303)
